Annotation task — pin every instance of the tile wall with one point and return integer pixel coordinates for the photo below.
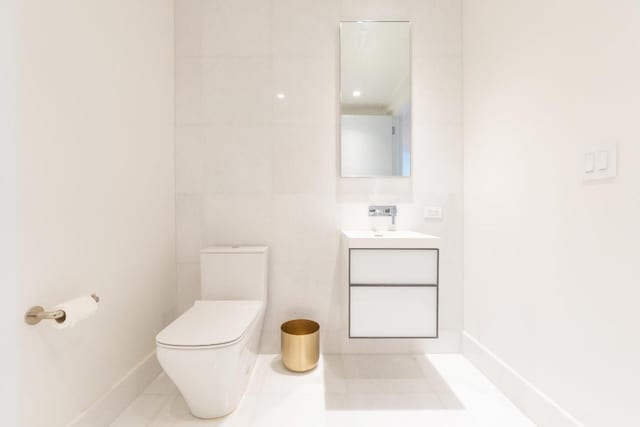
(255, 169)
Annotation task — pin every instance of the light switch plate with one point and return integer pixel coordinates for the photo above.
(600, 162)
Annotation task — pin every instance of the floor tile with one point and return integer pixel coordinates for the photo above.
(289, 409)
(162, 385)
(142, 410)
(176, 414)
(370, 390)
(326, 377)
(384, 374)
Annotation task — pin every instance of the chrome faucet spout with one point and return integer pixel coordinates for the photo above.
(384, 210)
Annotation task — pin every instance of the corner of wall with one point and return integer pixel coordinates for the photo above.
(106, 409)
(526, 396)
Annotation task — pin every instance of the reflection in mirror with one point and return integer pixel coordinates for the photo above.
(375, 99)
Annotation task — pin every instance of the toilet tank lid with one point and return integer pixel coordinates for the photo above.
(234, 250)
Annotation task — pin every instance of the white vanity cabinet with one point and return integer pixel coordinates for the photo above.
(416, 266)
(393, 291)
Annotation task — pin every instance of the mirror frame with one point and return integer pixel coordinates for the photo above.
(340, 174)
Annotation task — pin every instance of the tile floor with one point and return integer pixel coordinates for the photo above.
(346, 390)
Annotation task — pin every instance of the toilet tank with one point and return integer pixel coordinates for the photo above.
(234, 273)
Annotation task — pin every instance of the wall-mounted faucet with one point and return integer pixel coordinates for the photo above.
(384, 210)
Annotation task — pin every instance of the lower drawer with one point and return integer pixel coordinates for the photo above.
(393, 312)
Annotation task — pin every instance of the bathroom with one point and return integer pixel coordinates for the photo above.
(138, 135)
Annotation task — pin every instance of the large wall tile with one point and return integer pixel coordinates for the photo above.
(437, 91)
(238, 91)
(300, 290)
(189, 92)
(237, 220)
(304, 229)
(189, 20)
(189, 227)
(188, 286)
(314, 23)
(304, 159)
(380, 10)
(190, 160)
(436, 28)
(437, 149)
(375, 190)
(310, 91)
(237, 27)
(237, 160)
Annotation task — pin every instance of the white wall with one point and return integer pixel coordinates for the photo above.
(255, 169)
(96, 194)
(8, 310)
(551, 262)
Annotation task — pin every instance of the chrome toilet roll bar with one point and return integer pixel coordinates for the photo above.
(35, 314)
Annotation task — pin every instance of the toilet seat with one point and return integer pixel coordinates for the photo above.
(210, 324)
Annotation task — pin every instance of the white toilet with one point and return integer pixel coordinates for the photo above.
(209, 351)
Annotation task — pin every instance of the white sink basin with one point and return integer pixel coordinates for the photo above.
(389, 239)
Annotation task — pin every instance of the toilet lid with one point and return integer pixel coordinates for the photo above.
(210, 323)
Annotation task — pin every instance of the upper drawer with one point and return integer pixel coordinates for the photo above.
(394, 267)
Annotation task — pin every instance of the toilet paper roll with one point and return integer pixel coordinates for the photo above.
(76, 310)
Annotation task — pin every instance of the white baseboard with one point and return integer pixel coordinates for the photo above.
(528, 398)
(106, 409)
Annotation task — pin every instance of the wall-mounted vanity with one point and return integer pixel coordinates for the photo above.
(393, 284)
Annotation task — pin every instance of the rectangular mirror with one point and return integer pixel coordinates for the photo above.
(375, 98)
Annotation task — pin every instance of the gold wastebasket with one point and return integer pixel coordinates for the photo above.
(300, 344)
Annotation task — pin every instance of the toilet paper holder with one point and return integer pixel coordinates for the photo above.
(35, 314)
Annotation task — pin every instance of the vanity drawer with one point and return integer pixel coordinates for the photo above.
(393, 266)
(393, 312)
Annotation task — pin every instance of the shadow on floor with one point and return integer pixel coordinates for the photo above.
(386, 382)
(278, 367)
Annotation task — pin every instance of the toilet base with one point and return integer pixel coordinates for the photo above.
(213, 380)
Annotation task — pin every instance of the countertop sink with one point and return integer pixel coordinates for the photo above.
(388, 239)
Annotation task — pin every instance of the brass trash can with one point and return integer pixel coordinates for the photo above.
(300, 344)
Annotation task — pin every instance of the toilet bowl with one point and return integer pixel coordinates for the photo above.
(209, 351)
